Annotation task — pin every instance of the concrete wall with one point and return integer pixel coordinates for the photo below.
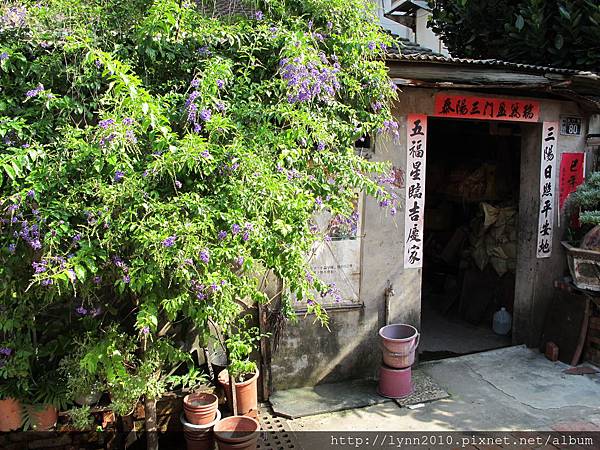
(425, 36)
(309, 354)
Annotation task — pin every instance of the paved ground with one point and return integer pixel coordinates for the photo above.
(512, 388)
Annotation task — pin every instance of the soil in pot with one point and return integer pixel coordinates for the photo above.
(237, 432)
(200, 408)
(43, 417)
(246, 392)
(11, 414)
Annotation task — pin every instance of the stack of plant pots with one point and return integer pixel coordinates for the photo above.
(399, 342)
(237, 433)
(201, 414)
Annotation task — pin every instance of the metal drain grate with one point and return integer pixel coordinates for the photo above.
(276, 433)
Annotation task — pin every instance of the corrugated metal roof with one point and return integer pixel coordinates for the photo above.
(410, 51)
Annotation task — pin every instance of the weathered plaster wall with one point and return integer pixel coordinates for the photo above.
(309, 354)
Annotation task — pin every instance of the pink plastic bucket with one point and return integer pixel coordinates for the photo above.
(399, 342)
(395, 383)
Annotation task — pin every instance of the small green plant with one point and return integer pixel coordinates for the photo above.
(240, 344)
(81, 418)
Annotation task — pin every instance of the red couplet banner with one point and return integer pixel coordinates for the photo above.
(484, 108)
(571, 174)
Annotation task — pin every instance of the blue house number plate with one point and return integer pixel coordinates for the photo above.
(570, 126)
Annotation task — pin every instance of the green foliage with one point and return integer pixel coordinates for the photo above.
(563, 33)
(155, 162)
(586, 199)
(81, 418)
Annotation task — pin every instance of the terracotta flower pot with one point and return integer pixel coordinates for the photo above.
(237, 432)
(199, 437)
(200, 408)
(11, 414)
(246, 392)
(43, 417)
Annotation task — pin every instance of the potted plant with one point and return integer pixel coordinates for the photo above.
(15, 361)
(49, 397)
(84, 388)
(240, 344)
(583, 245)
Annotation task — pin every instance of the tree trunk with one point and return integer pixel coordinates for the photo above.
(150, 423)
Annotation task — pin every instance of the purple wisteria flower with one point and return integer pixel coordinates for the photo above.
(205, 115)
(31, 194)
(126, 279)
(5, 351)
(220, 106)
(34, 92)
(239, 261)
(14, 17)
(235, 229)
(205, 154)
(204, 51)
(131, 137)
(98, 64)
(107, 139)
(12, 248)
(188, 261)
(259, 15)
(178, 184)
(245, 236)
(222, 235)
(106, 123)
(308, 81)
(76, 238)
(204, 256)
(372, 45)
(40, 267)
(377, 106)
(321, 146)
(128, 121)
(119, 174)
(318, 201)
(195, 83)
(220, 84)
(97, 280)
(3, 56)
(199, 289)
(146, 330)
(47, 282)
(169, 242)
(81, 310)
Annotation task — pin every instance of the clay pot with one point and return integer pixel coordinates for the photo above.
(237, 432)
(200, 408)
(43, 417)
(11, 414)
(246, 392)
(199, 437)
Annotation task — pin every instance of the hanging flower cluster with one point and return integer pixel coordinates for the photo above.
(310, 81)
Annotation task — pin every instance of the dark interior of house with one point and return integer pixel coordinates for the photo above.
(470, 239)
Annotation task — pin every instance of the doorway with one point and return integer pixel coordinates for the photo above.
(470, 234)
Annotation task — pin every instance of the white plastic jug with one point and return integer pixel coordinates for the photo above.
(502, 322)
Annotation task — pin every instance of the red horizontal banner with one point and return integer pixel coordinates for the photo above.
(482, 108)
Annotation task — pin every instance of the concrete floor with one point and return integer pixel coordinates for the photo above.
(448, 333)
(509, 389)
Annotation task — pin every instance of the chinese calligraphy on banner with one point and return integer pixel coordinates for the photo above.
(416, 143)
(486, 108)
(547, 189)
(571, 174)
